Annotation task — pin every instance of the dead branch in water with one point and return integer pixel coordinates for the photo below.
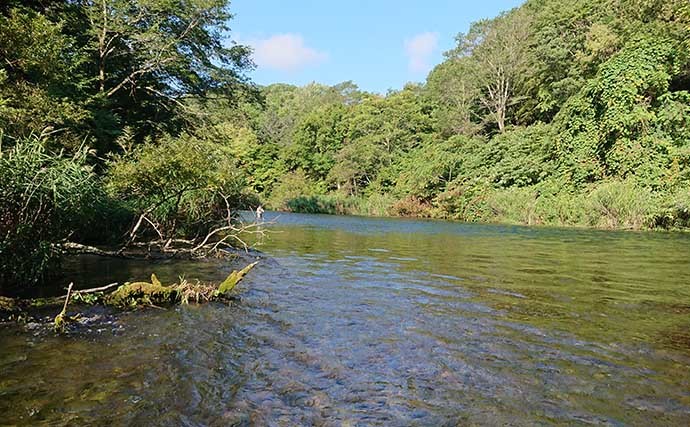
(61, 319)
(94, 290)
(78, 248)
(215, 242)
(132, 295)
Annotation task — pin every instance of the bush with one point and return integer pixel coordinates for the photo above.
(411, 206)
(673, 213)
(559, 204)
(376, 205)
(340, 204)
(619, 204)
(465, 201)
(186, 185)
(521, 156)
(515, 206)
(46, 199)
(324, 204)
(293, 185)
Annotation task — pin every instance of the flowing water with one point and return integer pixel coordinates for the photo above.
(357, 321)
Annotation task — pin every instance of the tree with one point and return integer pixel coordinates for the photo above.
(166, 48)
(560, 31)
(40, 82)
(454, 92)
(500, 49)
(608, 129)
(109, 64)
(316, 139)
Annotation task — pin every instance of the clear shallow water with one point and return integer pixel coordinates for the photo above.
(355, 321)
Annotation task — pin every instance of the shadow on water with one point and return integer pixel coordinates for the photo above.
(387, 322)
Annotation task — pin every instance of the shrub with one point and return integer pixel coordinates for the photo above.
(619, 204)
(559, 204)
(411, 206)
(324, 204)
(292, 185)
(521, 156)
(465, 201)
(46, 199)
(185, 185)
(515, 205)
(376, 205)
(673, 213)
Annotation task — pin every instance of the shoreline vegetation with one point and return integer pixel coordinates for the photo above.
(136, 126)
(615, 206)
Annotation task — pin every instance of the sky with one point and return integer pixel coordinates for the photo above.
(378, 44)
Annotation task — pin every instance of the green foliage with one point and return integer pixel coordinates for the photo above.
(315, 140)
(619, 204)
(340, 204)
(37, 80)
(517, 205)
(520, 157)
(466, 201)
(291, 186)
(559, 203)
(427, 170)
(498, 50)
(324, 204)
(46, 198)
(91, 69)
(674, 212)
(184, 184)
(607, 128)
(454, 97)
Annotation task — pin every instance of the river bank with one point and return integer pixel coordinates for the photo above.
(607, 207)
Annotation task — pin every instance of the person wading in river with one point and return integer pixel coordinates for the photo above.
(259, 213)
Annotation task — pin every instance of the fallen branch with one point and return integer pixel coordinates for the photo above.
(60, 320)
(94, 290)
(129, 295)
(234, 278)
(78, 248)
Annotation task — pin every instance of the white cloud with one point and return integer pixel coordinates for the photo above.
(285, 52)
(419, 50)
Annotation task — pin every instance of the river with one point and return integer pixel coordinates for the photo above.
(365, 321)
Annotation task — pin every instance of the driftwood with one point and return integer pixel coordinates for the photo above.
(94, 290)
(229, 230)
(78, 248)
(234, 278)
(219, 242)
(61, 320)
(131, 295)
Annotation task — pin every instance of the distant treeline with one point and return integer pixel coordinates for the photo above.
(558, 112)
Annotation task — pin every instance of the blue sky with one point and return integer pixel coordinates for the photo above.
(378, 44)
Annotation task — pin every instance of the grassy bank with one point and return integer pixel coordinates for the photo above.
(606, 205)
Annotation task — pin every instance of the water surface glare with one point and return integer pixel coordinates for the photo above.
(361, 321)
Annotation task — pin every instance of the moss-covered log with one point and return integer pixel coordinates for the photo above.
(233, 279)
(134, 294)
(9, 305)
(138, 293)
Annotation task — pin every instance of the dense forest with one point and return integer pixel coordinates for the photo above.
(123, 122)
(558, 112)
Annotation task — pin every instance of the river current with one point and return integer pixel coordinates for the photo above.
(363, 321)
